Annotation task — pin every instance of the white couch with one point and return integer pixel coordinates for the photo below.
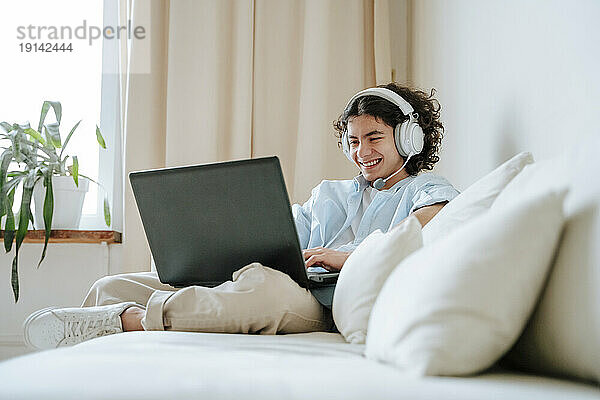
(178, 365)
(560, 346)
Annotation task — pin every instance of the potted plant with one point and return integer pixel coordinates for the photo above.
(41, 159)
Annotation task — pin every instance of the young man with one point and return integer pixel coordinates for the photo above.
(390, 133)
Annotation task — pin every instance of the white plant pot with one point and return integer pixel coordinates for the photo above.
(68, 202)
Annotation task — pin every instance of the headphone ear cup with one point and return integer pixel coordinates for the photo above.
(346, 147)
(417, 138)
(400, 139)
(409, 138)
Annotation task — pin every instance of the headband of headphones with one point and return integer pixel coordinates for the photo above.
(386, 94)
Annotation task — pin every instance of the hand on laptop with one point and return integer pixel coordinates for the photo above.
(329, 259)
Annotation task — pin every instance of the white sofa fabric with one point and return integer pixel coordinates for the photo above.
(563, 335)
(182, 365)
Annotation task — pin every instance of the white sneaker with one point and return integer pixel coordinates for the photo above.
(53, 327)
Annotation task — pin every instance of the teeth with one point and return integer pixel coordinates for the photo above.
(371, 163)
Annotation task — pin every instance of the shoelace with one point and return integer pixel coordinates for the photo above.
(90, 328)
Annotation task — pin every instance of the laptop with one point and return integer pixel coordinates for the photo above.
(203, 222)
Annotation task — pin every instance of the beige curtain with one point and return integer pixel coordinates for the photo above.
(144, 90)
(234, 79)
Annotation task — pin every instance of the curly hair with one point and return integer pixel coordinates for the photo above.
(424, 104)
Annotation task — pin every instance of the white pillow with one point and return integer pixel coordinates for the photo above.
(476, 199)
(453, 308)
(365, 272)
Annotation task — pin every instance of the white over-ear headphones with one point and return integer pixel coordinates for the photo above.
(407, 135)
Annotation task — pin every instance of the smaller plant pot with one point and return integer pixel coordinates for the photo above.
(68, 202)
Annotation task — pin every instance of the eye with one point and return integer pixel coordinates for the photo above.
(353, 142)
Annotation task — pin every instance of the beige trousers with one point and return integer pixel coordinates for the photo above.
(258, 299)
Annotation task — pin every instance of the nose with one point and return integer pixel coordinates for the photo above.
(364, 149)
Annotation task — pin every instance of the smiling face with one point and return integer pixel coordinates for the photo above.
(373, 149)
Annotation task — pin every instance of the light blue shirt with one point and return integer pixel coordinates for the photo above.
(334, 205)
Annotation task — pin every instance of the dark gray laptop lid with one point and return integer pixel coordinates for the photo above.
(204, 222)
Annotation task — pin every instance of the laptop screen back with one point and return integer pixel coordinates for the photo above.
(204, 222)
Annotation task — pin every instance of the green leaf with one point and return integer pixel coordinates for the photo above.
(31, 218)
(10, 185)
(25, 209)
(5, 160)
(56, 106)
(43, 113)
(16, 145)
(62, 164)
(37, 146)
(106, 211)
(53, 130)
(9, 226)
(35, 134)
(14, 277)
(49, 143)
(24, 126)
(69, 137)
(99, 138)
(24, 217)
(6, 126)
(91, 180)
(75, 170)
(48, 211)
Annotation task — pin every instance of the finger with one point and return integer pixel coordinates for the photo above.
(310, 261)
(319, 261)
(311, 252)
(307, 253)
(316, 248)
(314, 260)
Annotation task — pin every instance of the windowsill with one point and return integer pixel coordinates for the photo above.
(72, 236)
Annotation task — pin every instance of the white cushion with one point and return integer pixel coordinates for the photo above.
(563, 335)
(475, 200)
(365, 272)
(453, 308)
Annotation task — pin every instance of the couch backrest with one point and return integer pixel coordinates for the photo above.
(563, 335)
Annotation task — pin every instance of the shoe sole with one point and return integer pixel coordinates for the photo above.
(28, 321)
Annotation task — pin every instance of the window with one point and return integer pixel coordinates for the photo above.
(75, 78)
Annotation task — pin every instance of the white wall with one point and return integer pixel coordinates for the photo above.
(62, 280)
(511, 75)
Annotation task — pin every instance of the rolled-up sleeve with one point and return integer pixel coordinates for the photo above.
(348, 247)
(303, 219)
(430, 189)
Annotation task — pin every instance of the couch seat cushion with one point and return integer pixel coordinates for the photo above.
(181, 365)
